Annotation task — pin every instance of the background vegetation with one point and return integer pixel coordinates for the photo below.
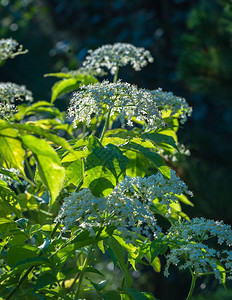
(192, 45)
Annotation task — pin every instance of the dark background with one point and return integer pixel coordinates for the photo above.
(191, 42)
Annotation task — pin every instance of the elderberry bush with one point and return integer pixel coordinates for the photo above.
(102, 190)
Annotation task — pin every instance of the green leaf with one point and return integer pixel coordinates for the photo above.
(58, 75)
(131, 249)
(111, 295)
(164, 211)
(31, 261)
(149, 296)
(122, 134)
(138, 164)
(90, 269)
(154, 157)
(64, 86)
(6, 225)
(9, 203)
(32, 128)
(45, 244)
(24, 264)
(5, 221)
(11, 149)
(101, 246)
(22, 223)
(82, 239)
(104, 167)
(44, 280)
(166, 142)
(16, 253)
(70, 84)
(136, 295)
(74, 172)
(50, 170)
(37, 108)
(184, 199)
(119, 254)
(222, 273)
(99, 286)
(155, 263)
(10, 174)
(158, 247)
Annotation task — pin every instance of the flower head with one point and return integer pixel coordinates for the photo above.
(121, 98)
(11, 92)
(9, 48)
(200, 230)
(117, 55)
(128, 215)
(192, 251)
(127, 207)
(153, 187)
(166, 101)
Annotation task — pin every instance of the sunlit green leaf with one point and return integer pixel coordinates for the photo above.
(154, 157)
(70, 84)
(11, 149)
(8, 203)
(49, 167)
(104, 167)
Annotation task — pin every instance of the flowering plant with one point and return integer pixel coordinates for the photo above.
(102, 188)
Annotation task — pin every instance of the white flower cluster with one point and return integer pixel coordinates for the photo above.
(201, 229)
(127, 207)
(9, 48)
(168, 102)
(153, 187)
(122, 98)
(117, 55)
(7, 109)
(10, 92)
(127, 214)
(191, 252)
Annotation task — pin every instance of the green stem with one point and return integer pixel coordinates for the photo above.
(28, 180)
(211, 273)
(105, 125)
(194, 278)
(86, 262)
(108, 115)
(116, 75)
(83, 271)
(29, 169)
(29, 269)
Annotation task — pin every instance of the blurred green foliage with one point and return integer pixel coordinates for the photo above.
(192, 45)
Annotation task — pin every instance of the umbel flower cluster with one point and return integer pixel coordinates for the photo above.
(192, 250)
(10, 92)
(9, 48)
(166, 101)
(122, 98)
(117, 55)
(125, 100)
(127, 208)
